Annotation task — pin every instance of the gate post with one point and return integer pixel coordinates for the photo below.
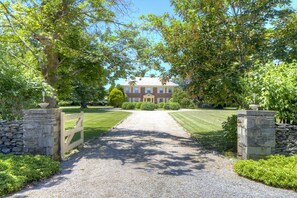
(256, 134)
(42, 132)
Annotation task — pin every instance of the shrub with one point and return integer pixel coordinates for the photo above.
(276, 89)
(276, 170)
(138, 105)
(19, 89)
(192, 105)
(174, 105)
(130, 105)
(17, 170)
(124, 105)
(156, 106)
(147, 106)
(167, 106)
(161, 105)
(230, 133)
(185, 102)
(178, 95)
(116, 98)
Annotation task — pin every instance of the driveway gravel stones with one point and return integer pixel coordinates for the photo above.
(148, 155)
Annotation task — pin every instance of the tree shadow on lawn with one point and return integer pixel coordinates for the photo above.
(90, 133)
(211, 140)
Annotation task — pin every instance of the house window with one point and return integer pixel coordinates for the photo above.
(161, 90)
(161, 100)
(170, 90)
(136, 90)
(136, 99)
(127, 89)
(148, 90)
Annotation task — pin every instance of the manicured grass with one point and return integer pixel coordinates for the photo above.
(96, 120)
(205, 126)
(17, 170)
(277, 171)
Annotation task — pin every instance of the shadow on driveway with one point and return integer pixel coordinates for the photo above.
(147, 150)
(150, 151)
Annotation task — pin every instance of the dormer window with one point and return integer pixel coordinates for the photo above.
(132, 83)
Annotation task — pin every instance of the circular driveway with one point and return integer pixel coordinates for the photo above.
(148, 155)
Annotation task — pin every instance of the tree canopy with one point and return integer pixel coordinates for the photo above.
(69, 41)
(212, 44)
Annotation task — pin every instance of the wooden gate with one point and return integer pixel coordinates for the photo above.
(67, 134)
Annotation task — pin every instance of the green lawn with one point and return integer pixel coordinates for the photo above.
(205, 126)
(96, 120)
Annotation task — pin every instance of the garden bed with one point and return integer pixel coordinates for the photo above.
(18, 170)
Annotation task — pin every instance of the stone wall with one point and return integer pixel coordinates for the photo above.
(286, 139)
(11, 137)
(37, 133)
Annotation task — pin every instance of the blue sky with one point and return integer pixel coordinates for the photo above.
(143, 7)
(160, 6)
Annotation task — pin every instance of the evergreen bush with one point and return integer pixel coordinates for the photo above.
(124, 105)
(147, 106)
(174, 105)
(130, 105)
(276, 170)
(138, 105)
(230, 133)
(161, 105)
(192, 105)
(167, 106)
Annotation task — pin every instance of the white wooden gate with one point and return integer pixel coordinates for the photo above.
(67, 135)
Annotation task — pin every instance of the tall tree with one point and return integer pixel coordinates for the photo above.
(212, 43)
(72, 40)
(284, 39)
(87, 93)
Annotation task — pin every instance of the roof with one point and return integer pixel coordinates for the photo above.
(147, 81)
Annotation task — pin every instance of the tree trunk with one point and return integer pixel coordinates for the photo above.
(50, 69)
(83, 105)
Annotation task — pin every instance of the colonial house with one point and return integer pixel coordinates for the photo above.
(146, 89)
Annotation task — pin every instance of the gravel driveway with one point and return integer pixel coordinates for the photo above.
(148, 155)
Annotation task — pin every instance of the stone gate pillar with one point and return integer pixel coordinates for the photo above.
(256, 134)
(41, 129)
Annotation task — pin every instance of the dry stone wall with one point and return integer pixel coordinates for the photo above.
(11, 137)
(286, 139)
(37, 133)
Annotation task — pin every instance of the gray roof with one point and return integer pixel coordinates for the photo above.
(147, 81)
